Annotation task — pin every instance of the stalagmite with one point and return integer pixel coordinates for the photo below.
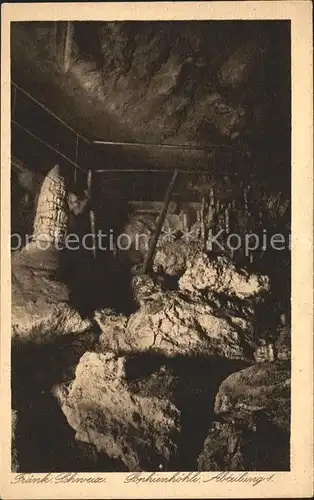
(40, 302)
(51, 218)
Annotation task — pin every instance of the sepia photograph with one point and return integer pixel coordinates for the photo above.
(150, 249)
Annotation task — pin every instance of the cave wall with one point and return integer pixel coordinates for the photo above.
(197, 83)
(25, 188)
(194, 83)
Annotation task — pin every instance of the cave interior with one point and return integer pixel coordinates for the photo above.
(120, 107)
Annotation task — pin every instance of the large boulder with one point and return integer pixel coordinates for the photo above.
(174, 323)
(100, 406)
(212, 314)
(226, 448)
(40, 301)
(254, 432)
(222, 276)
(263, 387)
(260, 446)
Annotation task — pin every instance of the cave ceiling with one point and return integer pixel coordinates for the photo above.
(192, 83)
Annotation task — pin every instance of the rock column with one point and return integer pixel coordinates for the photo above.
(51, 218)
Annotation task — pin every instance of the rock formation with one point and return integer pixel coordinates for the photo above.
(254, 405)
(172, 257)
(99, 405)
(157, 377)
(40, 300)
(188, 321)
(221, 275)
(194, 83)
(283, 344)
(144, 421)
(174, 324)
(172, 254)
(172, 383)
(264, 387)
(227, 448)
(50, 223)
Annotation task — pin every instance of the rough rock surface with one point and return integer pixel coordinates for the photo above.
(181, 81)
(99, 405)
(226, 448)
(44, 442)
(174, 323)
(220, 323)
(283, 344)
(40, 301)
(263, 387)
(172, 257)
(255, 446)
(221, 276)
(50, 223)
(264, 352)
(143, 287)
(254, 405)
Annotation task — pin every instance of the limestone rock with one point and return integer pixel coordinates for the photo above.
(225, 448)
(40, 301)
(264, 352)
(157, 81)
(174, 323)
(263, 387)
(254, 434)
(221, 276)
(113, 328)
(231, 306)
(254, 446)
(160, 383)
(100, 407)
(172, 257)
(50, 223)
(143, 287)
(239, 65)
(213, 315)
(283, 344)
